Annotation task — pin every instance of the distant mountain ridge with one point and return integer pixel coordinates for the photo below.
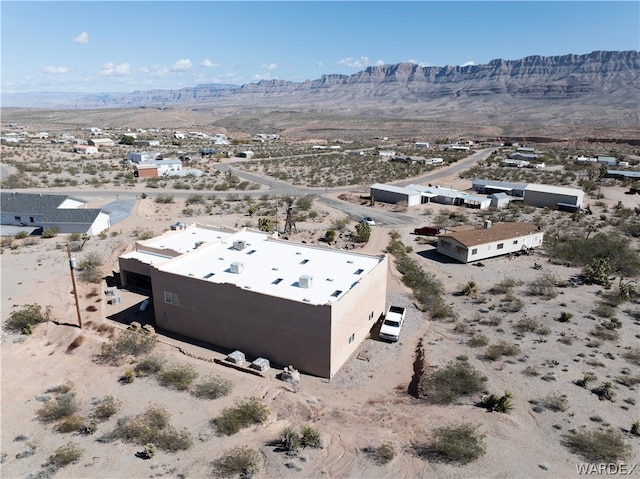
(602, 85)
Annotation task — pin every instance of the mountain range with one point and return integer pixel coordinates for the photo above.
(602, 88)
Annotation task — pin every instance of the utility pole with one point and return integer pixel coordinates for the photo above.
(72, 267)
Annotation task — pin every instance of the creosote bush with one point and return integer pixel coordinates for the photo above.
(177, 376)
(151, 426)
(27, 317)
(384, 453)
(106, 407)
(460, 444)
(212, 387)
(500, 349)
(450, 382)
(599, 446)
(63, 406)
(130, 342)
(242, 461)
(70, 453)
(246, 413)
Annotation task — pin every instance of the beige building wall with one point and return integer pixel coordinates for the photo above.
(356, 313)
(283, 331)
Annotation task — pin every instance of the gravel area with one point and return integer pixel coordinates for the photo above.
(119, 210)
(375, 356)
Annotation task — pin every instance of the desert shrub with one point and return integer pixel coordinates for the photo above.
(500, 349)
(384, 453)
(128, 377)
(177, 376)
(149, 451)
(290, 440)
(459, 444)
(478, 339)
(164, 199)
(565, 317)
(633, 356)
(604, 333)
(544, 286)
(149, 366)
(64, 405)
(363, 232)
(142, 233)
(130, 342)
(598, 446)
(556, 402)
(470, 290)
(239, 460)
(21, 235)
(50, 232)
(152, 426)
(511, 303)
(310, 437)
(28, 316)
(505, 286)
(73, 423)
(89, 268)
(450, 382)
(493, 320)
(530, 371)
(106, 407)
(587, 378)
(213, 387)
(604, 391)
(244, 414)
(527, 325)
(70, 453)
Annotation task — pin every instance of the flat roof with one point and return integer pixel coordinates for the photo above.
(394, 189)
(559, 190)
(261, 263)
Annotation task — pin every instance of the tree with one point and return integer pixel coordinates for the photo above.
(330, 235)
(363, 231)
(265, 224)
(598, 271)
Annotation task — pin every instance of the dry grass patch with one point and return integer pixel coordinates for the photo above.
(599, 446)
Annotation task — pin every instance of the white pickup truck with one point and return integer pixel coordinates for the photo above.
(392, 324)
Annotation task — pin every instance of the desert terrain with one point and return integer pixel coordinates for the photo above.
(369, 402)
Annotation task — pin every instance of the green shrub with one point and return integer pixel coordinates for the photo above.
(500, 349)
(152, 426)
(384, 453)
(21, 235)
(544, 286)
(599, 446)
(290, 440)
(212, 387)
(244, 414)
(310, 437)
(164, 199)
(498, 403)
(177, 376)
(450, 382)
(70, 453)
(504, 286)
(73, 423)
(106, 407)
(149, 366)
(459, 444)
(64, 405)
(50, 232)
(89, 268)
(27, 317)
(477, 340)
(239, 460)
(130, 342)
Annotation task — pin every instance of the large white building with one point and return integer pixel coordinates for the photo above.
(293, 304)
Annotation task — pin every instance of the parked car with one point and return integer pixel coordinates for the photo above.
(392, 324)
(178, 226)
(370, 221)
(427, 231)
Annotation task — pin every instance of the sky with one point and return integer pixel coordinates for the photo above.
(124, 46)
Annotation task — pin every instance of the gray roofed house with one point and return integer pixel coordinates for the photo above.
(63, 212)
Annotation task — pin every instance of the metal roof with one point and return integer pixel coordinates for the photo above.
(497, 232)
(46, 206)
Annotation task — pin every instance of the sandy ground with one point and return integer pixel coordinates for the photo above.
(365, 404)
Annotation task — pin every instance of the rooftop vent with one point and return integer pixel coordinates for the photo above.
(237, 267)
(487, 224)
(239, 245)
(305, 281)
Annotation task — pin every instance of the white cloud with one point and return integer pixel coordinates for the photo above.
(208, 63)
(468, 64)
(420, 64)
(55, 70)
(181, 65)
(270, 66)
(111, 69)
(380, 63)
(320, 63)
(82, 38)
(354, 62)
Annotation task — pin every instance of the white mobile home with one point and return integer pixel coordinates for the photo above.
(492, 240)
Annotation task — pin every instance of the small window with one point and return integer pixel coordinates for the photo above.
(304, 261)
(171, 298)
(208, 275)
(336, 293)
(500, 245)
(474, 251)
(17, 218)
(251, 252)
(359, 271)
(370, 315)
(352, 338)
(276, 281)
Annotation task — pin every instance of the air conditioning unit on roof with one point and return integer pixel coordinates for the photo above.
(237, 267)
(305, 281)
(239, 245)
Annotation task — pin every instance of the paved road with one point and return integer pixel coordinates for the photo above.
(123, 197)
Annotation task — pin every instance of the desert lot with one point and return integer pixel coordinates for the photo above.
(364, 406)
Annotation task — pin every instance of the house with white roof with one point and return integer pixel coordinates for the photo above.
(292, 304)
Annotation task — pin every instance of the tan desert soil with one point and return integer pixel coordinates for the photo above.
(365, 404)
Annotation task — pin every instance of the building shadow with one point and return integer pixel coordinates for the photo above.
(433, 255)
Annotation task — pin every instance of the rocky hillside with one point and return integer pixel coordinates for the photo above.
(600, 88)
